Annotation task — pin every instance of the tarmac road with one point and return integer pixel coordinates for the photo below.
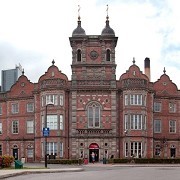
(110, 173)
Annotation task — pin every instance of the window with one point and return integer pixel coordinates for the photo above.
(14, 108)
(136, 99)
(136, 121)
(157, 150)
(157, 107)
(30, 126)
(52, 148)
(108, 55)
(144, 123)
(0, 128)
(126, 100)
(172, 107)
(125, 121)
(172, 126)
(15, 127)
(157, 126)
(94, 115)
(30, 153)
(61, 100)
(136, 149)
(0, 149)
(79, 55)
(51, 98)
(61, 149)
(30, 107)
(52, 122)
(61, 125)
(42, 101)
(0, 110)
(126, 149)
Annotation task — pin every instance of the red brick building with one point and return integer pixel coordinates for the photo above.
(92, 112)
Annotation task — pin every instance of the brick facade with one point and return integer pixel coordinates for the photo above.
(92, 112)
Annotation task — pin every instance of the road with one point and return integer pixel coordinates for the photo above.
(110, 173)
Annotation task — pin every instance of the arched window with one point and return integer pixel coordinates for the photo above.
(93, 115)
(157, 150)
(108, 55)
(79, 55)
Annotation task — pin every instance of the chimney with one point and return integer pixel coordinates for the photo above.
(147, 68)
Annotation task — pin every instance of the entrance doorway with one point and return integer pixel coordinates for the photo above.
(15, 154)
(94, 148)
(173, 152)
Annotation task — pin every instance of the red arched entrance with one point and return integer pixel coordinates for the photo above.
(94, 148)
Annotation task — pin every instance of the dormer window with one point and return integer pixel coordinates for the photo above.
(108, 53)
(79, 55)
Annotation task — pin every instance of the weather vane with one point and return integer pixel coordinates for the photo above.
(107, 11)
(79, 12)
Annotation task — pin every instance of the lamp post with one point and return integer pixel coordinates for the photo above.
(45, 148)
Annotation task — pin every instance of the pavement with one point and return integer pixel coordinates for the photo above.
(32, 168)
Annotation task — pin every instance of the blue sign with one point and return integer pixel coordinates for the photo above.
(45, 132)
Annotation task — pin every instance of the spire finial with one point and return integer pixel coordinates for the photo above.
(23, 72)
(107, 17)
(79, 18)
(164, 71)
(53, 62)
(133, 60)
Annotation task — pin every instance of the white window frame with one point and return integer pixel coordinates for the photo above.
(172, 107)
(30, 107)
(52, 122)
(30, 126)
(136, 121)
(14, 108)
(157, 106)
(157, 126)
(61, 150)
(15, 127)
(61, 122)
(126, 153)
(126, 99)
(94, 111)
(136, 149)
(52, 148)
(136, 99)
(52, 98)
(172, 126)
(126, 121)
(30, 153)
(61, 100)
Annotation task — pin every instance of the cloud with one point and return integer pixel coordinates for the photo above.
(37, 31)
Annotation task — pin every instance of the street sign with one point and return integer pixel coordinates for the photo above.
(45, 132)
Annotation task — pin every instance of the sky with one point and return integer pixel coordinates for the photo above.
(34, 32)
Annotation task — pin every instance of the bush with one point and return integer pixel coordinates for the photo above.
(65, 161)
(148, 161)
(7, 160)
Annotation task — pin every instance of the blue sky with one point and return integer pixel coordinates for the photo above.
(34, 32)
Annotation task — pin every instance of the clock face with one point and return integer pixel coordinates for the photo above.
(93, 54)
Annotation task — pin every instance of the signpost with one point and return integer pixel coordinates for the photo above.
(45, 132)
